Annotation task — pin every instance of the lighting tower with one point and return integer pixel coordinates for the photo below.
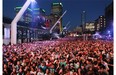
(83, 19)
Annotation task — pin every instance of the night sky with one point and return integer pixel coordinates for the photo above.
(93, 8)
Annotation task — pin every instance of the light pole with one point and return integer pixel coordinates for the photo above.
(16, 19)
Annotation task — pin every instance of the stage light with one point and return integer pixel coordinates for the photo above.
(109, 32)
(33, 1)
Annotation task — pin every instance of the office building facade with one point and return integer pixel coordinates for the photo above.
(100, 24)
(109, 18)
(27, 16)
(89, 27)
(56, 12)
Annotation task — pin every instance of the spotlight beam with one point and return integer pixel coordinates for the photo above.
(33, 1)
(57, 21)
(66, 26)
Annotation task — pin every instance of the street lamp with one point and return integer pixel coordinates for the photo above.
(16, 19)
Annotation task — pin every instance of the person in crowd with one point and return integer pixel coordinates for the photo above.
(66, 56)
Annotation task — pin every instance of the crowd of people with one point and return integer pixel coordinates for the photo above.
(59, 57)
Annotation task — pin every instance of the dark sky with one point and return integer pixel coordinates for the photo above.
(93, 8)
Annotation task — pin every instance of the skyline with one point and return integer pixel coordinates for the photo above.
(93, 8)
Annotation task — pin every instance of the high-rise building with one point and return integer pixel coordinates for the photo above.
(31, 15)
(109, 17)
(38, 13)
(32, 19)
(89, 27)
(56, 12)
(27, 16)
(57, 9)
(100, 24)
